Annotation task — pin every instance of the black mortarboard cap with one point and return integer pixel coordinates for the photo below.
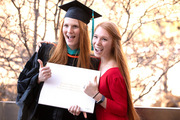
(79, 11)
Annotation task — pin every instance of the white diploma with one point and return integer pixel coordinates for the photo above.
(65, 87)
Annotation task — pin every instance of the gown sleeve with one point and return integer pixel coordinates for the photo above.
(28, 89)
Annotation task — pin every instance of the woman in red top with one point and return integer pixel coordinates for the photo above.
(113, 95)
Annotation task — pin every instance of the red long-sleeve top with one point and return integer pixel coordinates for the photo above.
(112, 86)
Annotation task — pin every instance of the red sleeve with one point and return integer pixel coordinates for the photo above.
(118, 104)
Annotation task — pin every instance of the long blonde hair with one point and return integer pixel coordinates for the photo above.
(119, 56)
(59, 53)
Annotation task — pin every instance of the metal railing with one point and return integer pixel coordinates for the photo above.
(9, 111)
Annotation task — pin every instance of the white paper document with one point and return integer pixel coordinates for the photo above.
(65, 87)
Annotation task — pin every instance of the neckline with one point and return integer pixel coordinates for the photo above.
(109, 70)
(72, 52)
(72, 56)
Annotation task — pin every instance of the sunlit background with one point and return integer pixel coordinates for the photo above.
(150, 37)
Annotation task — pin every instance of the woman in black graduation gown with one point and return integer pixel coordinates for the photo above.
(73, 49)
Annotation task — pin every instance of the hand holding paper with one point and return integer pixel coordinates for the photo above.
(92, 88)
(65, 87)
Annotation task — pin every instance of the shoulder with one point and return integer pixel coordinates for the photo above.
(115, 78)
(46, 46)
(44, 51)
(114, 73)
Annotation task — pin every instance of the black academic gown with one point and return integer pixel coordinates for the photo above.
(29, 90)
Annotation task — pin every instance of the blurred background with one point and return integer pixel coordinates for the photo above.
(150, 32)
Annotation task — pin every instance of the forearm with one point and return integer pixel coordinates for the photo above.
(98, 98)
(118, 107)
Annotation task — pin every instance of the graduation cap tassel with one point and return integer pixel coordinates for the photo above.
(92, 30)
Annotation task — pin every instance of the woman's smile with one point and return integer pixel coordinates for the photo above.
(71, 32)
(102, 42)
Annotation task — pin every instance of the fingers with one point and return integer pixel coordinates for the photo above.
(92, 88)
(40, 63)
(75, 110)
(44, 72)
(38, 45)
(85, 115)
(95, 80)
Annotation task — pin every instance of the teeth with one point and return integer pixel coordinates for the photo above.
(98, 49)
(70, 36)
